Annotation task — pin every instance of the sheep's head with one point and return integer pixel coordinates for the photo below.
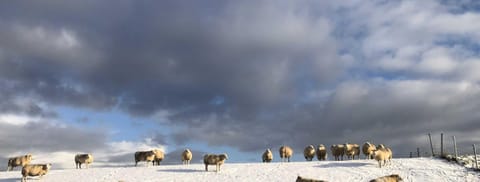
(223, 156)
(29, 156)
(47, 166)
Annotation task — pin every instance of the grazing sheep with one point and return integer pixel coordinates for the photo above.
(267, 156)
(338, 151)
(19, 161)
(186, 156)
(159, 155)
(309, 152)
(351, 150)
(382, 154)
(389, 178)
(302, 179)
(321, 152)
(212, 159)
(35, 170)
(83, 159)
(285, 153)
(368, 149)
(147, 156)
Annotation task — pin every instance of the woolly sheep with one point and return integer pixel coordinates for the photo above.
(351, 150)
(35, 170)
(18, 161)
(285, 153)
(309, 152)
(389, 178)
(83, 159)
(147, 156)
(302, 179)
(212, 159)
(321, 152)
(186, 156)
(338, 151)
(368, 149)
(267, 156)
(159, 155)
(382, 154)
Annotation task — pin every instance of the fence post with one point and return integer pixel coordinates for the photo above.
(431, 145)
(475, 156)
(441, 145)
(455, 147)
(411, 155)
(418, 152)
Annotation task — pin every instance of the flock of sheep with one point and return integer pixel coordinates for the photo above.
(379, 153)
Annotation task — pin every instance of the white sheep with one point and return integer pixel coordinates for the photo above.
(35, 170)
(267, 156)
(285, 153)
(351, 150)
(148, 156)
(83, 159)
(368, 149)
(309, 152)
(321, 152)
(19, 161)
(186, 156)
(212, 159)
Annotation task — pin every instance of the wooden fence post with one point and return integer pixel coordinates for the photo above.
(431, 145)
(411, 155)
(475, 156)
(441, 145)
(455, 147)
(418, 152)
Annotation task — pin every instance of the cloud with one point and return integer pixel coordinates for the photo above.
(247, 74)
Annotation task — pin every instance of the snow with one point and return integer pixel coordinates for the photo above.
(414, 169)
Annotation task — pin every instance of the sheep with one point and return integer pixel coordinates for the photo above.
(389, 178)
(212, 159)
(267, 156)
(159, 155)
(309, 152)
(186, 156)
(18, 161)
(338, 151)
(83, 159)
(285, 153)
(35, 170)
(321, 152)
(368, 149)
(147, 156)
(302, 179)
(382, 154)
(380, 146)
(351, 150)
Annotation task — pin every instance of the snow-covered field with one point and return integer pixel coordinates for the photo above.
(415, 169)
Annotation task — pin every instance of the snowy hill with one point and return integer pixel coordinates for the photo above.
(415, 169)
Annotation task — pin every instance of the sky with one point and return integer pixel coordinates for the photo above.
(114, 77)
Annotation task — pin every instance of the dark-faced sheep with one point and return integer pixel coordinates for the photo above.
(186, 156)
(285, 153)
(368, 149)
(19, 161)
(83, 159)
(159, 155)
(309, 152)
(35, 170)
(302, 179)
(389, 178)
(147, 156)
(267, 156)
(338, 151)
(351, 150)
(213, 159)
(321, 152)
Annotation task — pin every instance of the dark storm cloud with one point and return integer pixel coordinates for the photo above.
(244, 74)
